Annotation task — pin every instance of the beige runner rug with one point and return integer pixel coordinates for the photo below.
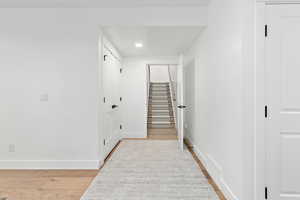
(150, 170)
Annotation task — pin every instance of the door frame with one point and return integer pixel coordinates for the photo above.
(148, 78)
(100, 95)
(260, 121)
(179, 100)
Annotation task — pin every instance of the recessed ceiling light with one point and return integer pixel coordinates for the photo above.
(138, 44)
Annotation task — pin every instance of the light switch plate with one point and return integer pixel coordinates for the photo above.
(185, 125)
(11, 148)
(44, 97)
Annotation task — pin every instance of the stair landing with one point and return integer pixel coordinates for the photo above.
(162, 134)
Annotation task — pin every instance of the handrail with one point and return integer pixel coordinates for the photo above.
(173, 96)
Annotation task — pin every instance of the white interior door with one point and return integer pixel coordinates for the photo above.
(111, 77)
(189, 97)
(283, 100)
(180, 110)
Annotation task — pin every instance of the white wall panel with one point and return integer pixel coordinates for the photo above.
(218, 132)
(159, 73)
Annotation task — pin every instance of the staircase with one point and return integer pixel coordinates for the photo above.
(160, 111)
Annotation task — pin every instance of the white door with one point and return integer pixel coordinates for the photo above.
(180, 106)
(189, 97)
(283, 101)
(111, 77)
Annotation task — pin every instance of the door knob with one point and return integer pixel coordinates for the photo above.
(114, 106)
(181, 106)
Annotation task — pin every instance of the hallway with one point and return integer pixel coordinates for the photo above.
(149, 100)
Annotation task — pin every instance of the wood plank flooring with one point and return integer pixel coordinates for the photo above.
(162, 134)
(204, 171)
(44, 184)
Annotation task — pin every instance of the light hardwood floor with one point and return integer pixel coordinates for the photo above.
(44, 184)
(162, 134)
(204, 171)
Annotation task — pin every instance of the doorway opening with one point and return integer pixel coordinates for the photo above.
(161, 87)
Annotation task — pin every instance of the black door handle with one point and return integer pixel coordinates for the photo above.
(181, 106)
(114, 106)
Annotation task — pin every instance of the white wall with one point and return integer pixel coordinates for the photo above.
(55, 52)
(221, 88)
(134, 89)
(159, 73)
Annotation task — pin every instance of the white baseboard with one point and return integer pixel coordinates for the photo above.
(215, 171)
(134, 135)
(50, 164)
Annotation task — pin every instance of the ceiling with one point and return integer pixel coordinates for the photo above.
(97, 3)
(157, 41)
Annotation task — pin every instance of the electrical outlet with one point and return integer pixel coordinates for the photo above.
(11, 148)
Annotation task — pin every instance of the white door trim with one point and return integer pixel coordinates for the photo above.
(260, 103)
(100, 95)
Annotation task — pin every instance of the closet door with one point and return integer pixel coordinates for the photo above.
(283, 100)
(180, 106)
(111, 78)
